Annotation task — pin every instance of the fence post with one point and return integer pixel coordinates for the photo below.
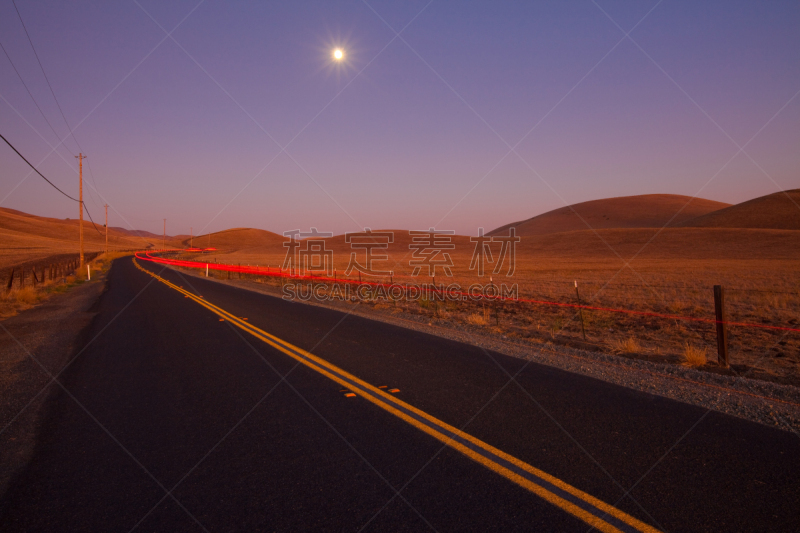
(580, 309)
(10, 281)
(722, 330)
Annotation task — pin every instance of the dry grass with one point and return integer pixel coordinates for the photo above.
(477, 319)
(694, 356)
(26, 296)
(758, 268)
(441, 311)
(20, 299)
(629, 345)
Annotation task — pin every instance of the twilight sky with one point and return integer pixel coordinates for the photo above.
(408, 132)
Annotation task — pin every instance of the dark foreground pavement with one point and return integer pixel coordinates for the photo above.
(174, 421)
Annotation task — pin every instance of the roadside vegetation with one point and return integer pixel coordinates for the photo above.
(18, 299)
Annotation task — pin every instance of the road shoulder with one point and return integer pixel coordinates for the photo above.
(35, 345)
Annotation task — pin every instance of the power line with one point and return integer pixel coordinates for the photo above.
(90, 218)
(32, 97)
(51, 183)
(45, 75)
(34, 169)
(66, 122)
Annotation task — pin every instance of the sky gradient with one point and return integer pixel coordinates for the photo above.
(409, 132)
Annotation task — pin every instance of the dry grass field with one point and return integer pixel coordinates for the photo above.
(626, 263)
(30, 239)
(668, 271)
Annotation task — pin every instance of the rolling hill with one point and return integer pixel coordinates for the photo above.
(236, 239)
(26, 237)
(780, 210)
(643, 211)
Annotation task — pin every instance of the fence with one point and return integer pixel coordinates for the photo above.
(41, 271)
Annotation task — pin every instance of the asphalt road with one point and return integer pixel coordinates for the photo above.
(172, 420)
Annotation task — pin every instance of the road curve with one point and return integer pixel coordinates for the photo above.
(199, 406)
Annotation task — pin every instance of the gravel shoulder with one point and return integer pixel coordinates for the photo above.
(36, 345)
(773, 404)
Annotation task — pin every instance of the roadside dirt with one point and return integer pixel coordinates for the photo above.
(35, 346)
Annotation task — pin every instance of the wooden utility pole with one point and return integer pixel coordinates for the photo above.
(164, 241)
(106, 206)
(80, 158)
(191, 237)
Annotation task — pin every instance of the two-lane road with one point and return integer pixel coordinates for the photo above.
(182, 416)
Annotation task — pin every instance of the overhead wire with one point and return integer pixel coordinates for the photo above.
(58, 104)
(51, 183)
(45, 76)
(33, 98)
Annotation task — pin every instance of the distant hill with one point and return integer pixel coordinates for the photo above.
(26, 237)
(667, 244)
(780, 210)
(643, 211)
(136, 233)
(236, 239)
(21, 223)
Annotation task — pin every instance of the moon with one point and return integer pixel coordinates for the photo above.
(338, 54)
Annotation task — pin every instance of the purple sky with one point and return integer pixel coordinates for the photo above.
(403, 134)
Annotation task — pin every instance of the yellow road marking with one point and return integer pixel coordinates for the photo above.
(457, 439)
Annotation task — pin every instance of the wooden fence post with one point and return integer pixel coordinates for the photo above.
(722, 330)
(10, 281)
(580, 309)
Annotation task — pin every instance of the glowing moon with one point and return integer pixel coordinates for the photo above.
(338, 54)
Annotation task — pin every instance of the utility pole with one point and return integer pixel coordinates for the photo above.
(191, 237)
(106, 206)
(164, 242)
(80, 157)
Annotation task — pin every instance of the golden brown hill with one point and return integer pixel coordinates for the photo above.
(137, 233)
(666, 244)
(780, 210)
(643, 211)
(236, 239)
(26, 237)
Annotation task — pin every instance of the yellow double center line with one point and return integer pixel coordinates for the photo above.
(597, 513)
